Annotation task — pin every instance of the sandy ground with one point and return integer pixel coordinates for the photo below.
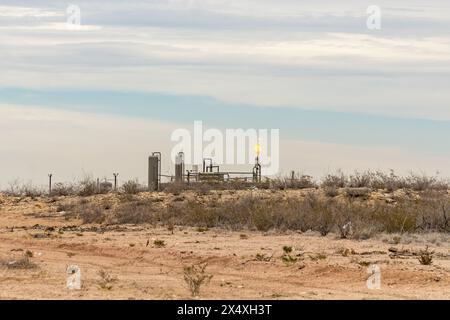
(326, 267)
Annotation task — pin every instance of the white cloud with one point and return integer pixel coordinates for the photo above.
(54, 26)
(23, 12)
(330, 71)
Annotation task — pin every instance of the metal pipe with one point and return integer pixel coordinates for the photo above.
(115, 181)
(50, 175)
(158, 154)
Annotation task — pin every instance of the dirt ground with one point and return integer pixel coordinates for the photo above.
(123, 262)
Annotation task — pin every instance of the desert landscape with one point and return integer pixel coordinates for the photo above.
(248, 151)
(226, 244)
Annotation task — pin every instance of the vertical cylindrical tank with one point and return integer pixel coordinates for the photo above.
(179, 167)
(153, 173)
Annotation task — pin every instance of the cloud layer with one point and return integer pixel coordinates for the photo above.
(269, 53)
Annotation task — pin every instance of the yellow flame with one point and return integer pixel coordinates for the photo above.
(258, 149)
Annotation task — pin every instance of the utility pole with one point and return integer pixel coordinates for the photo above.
(115, 181)
(50, 175)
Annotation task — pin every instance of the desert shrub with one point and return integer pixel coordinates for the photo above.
(67, 207)
(259, 213)
(87, 187)
(159, 243)
(434, 214)
(356, 192)
(135, 212)
(234, 215)
(355, 219)
(62, 189)
(423, 182)
(18, 189)
(13, 188)
(198, 215)
(131, 187)
(175, 188)
(105, 187)
(203, 188)
(195, 276)
(348, 216)
(296, 181)
(425, 257)
(322, 213)
(389, 182)
(92, 213)
(28, 190)
(303, 182)
(360, 180)
(385, 181)
(20, 263)
(398, 218)
(331, 192)
(106, 280)
(263, 219)
(287, 257)
(263, 257)
(318, 256)
(236, 184)
(336, 180)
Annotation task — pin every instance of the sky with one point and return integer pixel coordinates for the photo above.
(100, 98)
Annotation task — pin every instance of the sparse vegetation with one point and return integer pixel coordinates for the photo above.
(358, 192)
(106, 280)
(159, 243)
(63, 189)
(350, 205)
(18, 189)
(345, 252)
(287, 258)
(21, 263)
(134, 212)
(350, 217)
(331, 191)
(379, 180)
(318, 256)
(91, 213)
(131, 187)
(363, 263)
(263, 257)
(87, 187)
(195, 276)
(426, 257)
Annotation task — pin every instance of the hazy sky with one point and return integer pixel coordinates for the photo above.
(100, 98)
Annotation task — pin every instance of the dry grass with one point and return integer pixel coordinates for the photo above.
(351, 217)
(345, 205)
(195, 277)
(22, 263)
(287, 257)
(134, 212)
(372, 180)
(159, 243)
(378, 180)
(106, 280)
(263, 257)
(131, 187)
(426, 257)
